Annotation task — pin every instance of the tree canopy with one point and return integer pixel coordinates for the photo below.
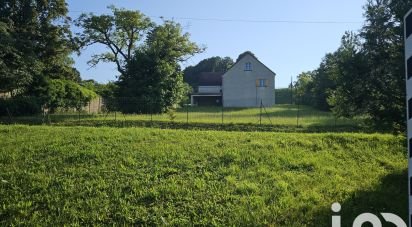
(121, 33)
(365, 76)
(35, 45)
(154, 76)
(147, 56)
(245, 53)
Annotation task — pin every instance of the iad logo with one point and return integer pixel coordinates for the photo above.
(367, 218)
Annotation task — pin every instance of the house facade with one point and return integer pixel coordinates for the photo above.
(248, 83)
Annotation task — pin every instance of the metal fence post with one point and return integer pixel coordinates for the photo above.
(260, 115)
(297, 115)
(222, 113)
(151, 113)
(187, 114)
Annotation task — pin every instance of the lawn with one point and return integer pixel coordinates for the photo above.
(277, 118)
(141, 176)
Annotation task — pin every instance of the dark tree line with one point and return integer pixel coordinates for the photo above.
(213, 64)
(365, 77)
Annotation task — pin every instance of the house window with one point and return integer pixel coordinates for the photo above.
(410, 187)
(248, 66)
(409, 67)
(261, 83)
(410, 108)
(410, 149)
(408, 26)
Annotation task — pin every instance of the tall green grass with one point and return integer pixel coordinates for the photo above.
(135, 176)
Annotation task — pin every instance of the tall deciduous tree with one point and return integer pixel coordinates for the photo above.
(35, 45)
(154, 75)
(366, 74)
(383, 49)
(121, 33)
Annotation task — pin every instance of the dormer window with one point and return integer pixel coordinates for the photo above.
(248, 66)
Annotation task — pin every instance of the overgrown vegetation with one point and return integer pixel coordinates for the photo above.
(89, 176)
(365, 76)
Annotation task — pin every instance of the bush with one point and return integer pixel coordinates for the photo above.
(20, 106)
(67, 94)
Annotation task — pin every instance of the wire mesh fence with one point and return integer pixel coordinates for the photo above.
(132, 111)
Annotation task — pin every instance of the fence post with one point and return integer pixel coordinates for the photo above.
(115, 117)
(260, 115)
(79, 115)
(10, 118)
(297, 115)
(151, 113)
(223, 109)
(187, 114)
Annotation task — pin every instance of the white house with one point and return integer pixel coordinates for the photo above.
(248, 83)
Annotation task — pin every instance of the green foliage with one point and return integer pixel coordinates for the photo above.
(66, 94)
(147, 57)
(364, 77)
(213, 64)
(106, 91)
(303, 89)
(120, 32)
(20, 106)
(283, 96)
(35, 45)
(154, 75)
(245, 53)
(107, 176)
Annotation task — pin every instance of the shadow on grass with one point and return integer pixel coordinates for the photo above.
(390, 196)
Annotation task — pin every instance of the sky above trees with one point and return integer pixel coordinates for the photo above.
(288, 36)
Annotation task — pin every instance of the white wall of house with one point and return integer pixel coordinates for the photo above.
(209, 89)
(241, 88)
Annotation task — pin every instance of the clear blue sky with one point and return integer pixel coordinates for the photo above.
(287, 48)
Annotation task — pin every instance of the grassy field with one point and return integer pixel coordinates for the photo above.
(100, 176)
(278, 118)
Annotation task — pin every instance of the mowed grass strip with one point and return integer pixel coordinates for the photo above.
(280, 116)
(140, 176)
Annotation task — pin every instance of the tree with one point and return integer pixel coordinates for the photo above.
(154, 75)
(348, 98)
(365, 76)
(382, 37)
(213, 64)
(245, 53)
(303, 88)
(36, 43)
(15, 72)
(120, 33)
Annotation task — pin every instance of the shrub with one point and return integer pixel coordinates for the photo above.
(67, 94)
(20, 106)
